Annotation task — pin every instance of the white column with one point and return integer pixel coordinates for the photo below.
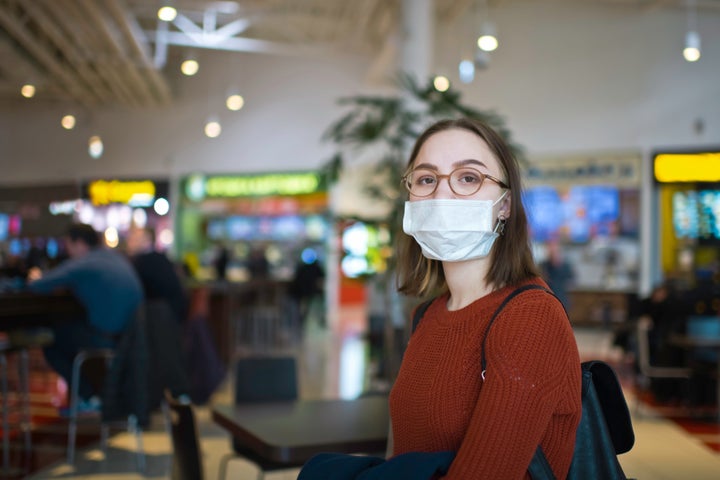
(417, 38)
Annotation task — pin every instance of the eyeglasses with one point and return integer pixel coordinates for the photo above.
(463, 181)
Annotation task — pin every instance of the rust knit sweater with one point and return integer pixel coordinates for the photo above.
(530, 396)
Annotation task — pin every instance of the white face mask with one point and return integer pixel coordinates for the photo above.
(452, 230)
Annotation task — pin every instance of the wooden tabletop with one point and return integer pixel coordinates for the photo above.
(27, 309)
(293, 432)
(693, 341)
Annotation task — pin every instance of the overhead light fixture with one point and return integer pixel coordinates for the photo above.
(466, 71)
(213, 129)
(234, 101)
(68, 121)
(487, 41)
(28, 90)
(167, 13)
(95, 146)
(441, 83)
(190, 66)
(691, 52)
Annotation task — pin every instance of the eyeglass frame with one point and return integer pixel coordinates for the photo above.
(438, 177)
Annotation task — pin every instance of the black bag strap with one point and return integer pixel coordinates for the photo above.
(540, 467)
(419, 312)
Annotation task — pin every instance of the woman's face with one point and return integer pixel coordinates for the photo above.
(447, 150)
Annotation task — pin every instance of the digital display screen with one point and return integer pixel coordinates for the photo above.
(216, 229)
(579, 214)
(4, 226)
(242, 228)
(543, 205)
(696, 215)
(276, 228)
(685, 214)
(708, 203)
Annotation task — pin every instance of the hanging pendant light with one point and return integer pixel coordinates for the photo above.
(691, 51)
(95, 146)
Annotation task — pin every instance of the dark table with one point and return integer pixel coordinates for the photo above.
(292, 432)
(692, 342)
(27, 309)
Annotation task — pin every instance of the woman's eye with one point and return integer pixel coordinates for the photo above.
(425, 180)
(469, 177)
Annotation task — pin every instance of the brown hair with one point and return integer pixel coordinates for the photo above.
(512, 260)
(84, 233)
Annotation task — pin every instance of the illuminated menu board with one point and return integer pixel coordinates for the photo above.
(696, 215)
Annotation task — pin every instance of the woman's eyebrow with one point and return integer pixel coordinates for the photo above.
(459, 163)
(469, 161)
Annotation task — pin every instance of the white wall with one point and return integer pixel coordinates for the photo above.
(579, 78)
(600, 77)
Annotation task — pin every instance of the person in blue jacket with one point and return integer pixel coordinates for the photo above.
(106, 284)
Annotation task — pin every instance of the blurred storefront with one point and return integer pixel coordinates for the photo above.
(33, 218)
(241, 238)
(235, 226)
(113, 206)
(590, 205)
(688, 209)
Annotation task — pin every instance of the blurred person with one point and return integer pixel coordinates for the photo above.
(557, 272)
(468, 241)
(106, 284)
(221, 261)
(257, 262)
(159, 277)
(307, 285)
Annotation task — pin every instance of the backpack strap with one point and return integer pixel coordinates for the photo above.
(419, 312)
(513, 294)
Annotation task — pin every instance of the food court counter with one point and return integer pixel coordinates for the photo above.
(600, 307)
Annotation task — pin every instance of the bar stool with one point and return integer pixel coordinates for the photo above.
(18, 342)
(129, 355)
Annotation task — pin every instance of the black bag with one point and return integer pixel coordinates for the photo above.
(206, 371)
(605, 428)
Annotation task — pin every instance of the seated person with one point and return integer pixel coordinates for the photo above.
(160, 279)
(106, 284)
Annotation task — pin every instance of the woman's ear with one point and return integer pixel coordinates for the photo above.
(505, 204)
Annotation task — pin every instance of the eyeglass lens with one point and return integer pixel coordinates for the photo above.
(463, 181)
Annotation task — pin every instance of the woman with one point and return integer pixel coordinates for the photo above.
(468, 242)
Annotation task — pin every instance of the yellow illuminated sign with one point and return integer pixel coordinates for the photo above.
(687, 167)
(137, 193)
(270, 184)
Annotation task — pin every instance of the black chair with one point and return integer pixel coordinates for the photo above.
(647, 370)
(186, 460)
(262, 379)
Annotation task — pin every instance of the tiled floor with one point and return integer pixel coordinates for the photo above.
(333, 366)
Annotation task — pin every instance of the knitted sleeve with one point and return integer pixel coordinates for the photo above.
(530, 396)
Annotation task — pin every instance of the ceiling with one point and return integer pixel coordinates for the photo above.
(116, 52)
